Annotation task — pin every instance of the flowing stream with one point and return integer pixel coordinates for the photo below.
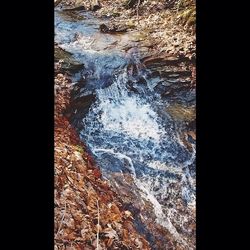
(138, 136)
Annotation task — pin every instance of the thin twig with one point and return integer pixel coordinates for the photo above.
(61, 221)
(98, 225)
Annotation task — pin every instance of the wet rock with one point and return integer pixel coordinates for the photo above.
(143, 212)
(112, 164)
(181, 113)
(186, 141)
(165, 59)
(77, 108)
(79, 8)
(161, 61)
(131, 87)
(68, 64)
(112, 28)
(161, 88)
(181, 92)
(60, 53)
(191, 136)
(95, 5)
(192, 125)
(175, 73)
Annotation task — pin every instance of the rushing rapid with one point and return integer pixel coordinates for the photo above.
(125, 133)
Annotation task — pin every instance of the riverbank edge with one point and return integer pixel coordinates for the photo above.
(87, 212)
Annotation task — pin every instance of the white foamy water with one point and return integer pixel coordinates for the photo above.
(163, 166)
(146, 188)
(83, 43)
(126, 114)
(162, 218)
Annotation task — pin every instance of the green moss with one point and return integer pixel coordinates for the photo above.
(79, 149)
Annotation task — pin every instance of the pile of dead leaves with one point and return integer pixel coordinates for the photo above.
(88, 215)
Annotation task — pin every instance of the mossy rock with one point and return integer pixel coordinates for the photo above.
(68, 63)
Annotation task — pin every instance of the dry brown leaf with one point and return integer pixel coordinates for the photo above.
(110, 233)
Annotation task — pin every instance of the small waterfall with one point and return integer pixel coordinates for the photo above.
(125, 126)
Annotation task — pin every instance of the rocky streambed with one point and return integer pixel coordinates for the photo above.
(134, 108)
